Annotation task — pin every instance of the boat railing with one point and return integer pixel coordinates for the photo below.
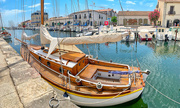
(104, 83)
(82, 69)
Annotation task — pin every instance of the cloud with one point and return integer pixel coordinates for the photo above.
(130, 2)
(141, 3)
(37, 5)
(12, 12)
(2, 0)
(149, 4)
(110, 0)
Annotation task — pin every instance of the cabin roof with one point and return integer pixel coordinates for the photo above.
(73, 56)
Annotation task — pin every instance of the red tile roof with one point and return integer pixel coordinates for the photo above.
(133, 13)
(171, 1)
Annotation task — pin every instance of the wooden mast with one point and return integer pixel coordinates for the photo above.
(42, 12)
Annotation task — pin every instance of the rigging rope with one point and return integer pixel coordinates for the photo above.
(163, 94)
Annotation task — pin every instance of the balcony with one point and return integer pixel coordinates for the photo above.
(171, 13)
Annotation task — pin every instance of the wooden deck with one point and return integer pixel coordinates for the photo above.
(92, 69)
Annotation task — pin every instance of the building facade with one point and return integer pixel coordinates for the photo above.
(26, 23)
(133, 18)
(89, 17)
(60, 21)
(36, 18)
(108, 12)
(169, 12)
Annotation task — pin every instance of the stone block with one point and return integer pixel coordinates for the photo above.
(33, 90)
(23, 74)
(6, 86)
(10, 101)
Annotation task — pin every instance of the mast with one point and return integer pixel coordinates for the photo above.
(42, 12)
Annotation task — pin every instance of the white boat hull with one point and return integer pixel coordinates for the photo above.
(93, 102)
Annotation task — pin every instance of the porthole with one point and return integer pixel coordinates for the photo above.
(60, 70)
(48, 64)
(39, 58)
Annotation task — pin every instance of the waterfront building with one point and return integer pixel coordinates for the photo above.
(133, 18)
(26, 23)
(169, 12)
(60, 21)
(36, 18)
(89, 17)
(109, 13)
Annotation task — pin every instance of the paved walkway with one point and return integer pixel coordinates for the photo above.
(21, 86)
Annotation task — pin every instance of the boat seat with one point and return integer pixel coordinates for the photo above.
(36, 47)
(73, 56)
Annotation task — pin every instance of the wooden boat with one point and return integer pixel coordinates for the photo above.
(87, 81)
(144, 35)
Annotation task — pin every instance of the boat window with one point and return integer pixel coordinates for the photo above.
(48, 64)
(60, 70)
(83, 61)
(79, 64)
(39, 58)
(159, 30)
(162, 30)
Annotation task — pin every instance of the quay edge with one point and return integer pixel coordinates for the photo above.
(21, 85)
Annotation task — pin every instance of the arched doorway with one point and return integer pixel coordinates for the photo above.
(124, 22)
(140, 21)
(176, 22)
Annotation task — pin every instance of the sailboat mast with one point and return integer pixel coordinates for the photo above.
(42, 12)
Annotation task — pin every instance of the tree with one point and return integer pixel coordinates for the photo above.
(114, 19)
(154, 16)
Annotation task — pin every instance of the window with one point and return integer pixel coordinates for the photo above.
(171, 9)
(84, 16)
(162, 30)
(99, 17)
(90, 15)
(75, 16)
(159, 30)
(79, 16)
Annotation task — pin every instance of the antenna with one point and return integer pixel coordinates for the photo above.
(78, 5)
(121, 8)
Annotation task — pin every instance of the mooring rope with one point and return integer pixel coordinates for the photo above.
(163, 94)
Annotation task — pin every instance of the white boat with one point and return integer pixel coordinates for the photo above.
(144, 35)
(129, 38)
(172, 33)
(162, 34)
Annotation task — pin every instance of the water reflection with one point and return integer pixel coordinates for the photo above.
(162, 48)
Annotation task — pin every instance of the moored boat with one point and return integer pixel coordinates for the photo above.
(163, 34)
(86, 81)
(144, 35)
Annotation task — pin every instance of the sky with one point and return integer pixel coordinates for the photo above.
(15, 11)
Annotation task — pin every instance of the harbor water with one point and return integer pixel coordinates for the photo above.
(161, 58)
